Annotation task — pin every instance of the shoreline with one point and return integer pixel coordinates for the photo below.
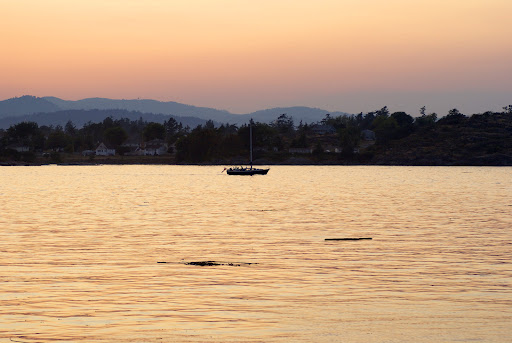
(64, 159)
(141, 163)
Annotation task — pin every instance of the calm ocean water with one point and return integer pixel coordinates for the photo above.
(80, 246)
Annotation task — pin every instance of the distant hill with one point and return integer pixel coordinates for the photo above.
(26, 105)
(144, 106)
(80, 117)
(306, 114)
(29, 105)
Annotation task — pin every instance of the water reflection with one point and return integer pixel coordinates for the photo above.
(80, 245)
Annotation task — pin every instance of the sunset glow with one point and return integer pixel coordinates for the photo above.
(244, 55)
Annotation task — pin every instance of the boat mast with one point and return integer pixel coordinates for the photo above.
(250, 138)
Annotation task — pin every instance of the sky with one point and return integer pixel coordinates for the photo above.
(244, 55)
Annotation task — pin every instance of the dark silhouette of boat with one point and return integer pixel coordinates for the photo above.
(247, 170)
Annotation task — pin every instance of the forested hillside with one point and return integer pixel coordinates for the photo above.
(377, 137)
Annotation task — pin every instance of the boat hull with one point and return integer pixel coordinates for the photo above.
(247, 171)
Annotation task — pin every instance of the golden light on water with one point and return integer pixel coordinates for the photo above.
(80, 248)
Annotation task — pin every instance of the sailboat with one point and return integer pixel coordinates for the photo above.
(247, 170)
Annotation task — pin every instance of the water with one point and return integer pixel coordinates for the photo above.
(80, 246)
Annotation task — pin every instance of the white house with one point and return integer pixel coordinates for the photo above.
(155, 147)
(103, 150)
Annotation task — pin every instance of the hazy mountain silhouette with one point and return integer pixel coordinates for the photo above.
(145, 106)
(27, 105)
(80, 117)
(298, 113)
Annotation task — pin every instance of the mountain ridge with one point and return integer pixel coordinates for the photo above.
(27, 106)
(81, 117)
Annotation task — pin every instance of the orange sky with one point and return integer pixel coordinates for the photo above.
(241, 55)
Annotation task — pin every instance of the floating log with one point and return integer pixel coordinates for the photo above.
(204, 263)
(216, 263)
(347, 239)
(211, 263)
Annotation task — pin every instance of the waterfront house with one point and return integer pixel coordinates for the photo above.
(103, 150)
(155, 147)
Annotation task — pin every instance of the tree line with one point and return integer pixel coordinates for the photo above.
(70, 139)
(210, 142)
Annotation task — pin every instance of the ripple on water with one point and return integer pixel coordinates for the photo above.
(80, 245)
